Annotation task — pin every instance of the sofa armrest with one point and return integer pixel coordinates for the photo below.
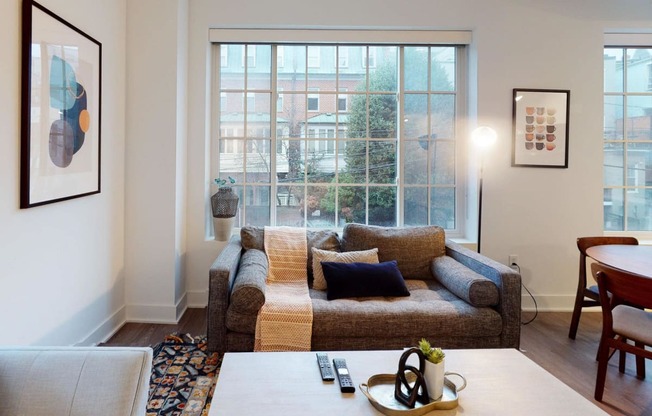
(74, 380)
(220, 280)
(508, 282)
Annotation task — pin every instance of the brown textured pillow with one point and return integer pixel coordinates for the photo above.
(366, 256)
(412, 247)
(253, 237)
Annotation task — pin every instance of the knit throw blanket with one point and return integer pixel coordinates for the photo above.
(285, 321)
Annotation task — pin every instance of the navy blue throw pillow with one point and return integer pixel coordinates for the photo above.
(349, 280)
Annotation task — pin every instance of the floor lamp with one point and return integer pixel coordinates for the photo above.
(483, 137)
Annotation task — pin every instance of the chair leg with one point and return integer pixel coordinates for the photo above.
(575, 319)
(623, 357)
(603, 358)
(640, 362)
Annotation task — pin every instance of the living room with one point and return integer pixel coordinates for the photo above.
(74, 272)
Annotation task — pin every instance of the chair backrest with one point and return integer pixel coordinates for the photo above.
(584, 243)
(625, 287)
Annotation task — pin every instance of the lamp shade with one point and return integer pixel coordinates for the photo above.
(484, 136)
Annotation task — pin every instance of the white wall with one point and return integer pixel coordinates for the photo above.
(532, 212)
(62, 277)
(156, 159)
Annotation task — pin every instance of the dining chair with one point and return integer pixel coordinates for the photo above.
(622, 322)
(588, 295)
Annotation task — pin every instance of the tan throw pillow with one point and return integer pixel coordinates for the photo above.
(366, 256)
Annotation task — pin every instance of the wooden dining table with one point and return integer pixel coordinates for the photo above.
(631, 258)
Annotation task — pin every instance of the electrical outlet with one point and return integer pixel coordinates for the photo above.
(513, 259)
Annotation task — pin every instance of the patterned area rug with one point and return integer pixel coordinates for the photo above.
(183, 377)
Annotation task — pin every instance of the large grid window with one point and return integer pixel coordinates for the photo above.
(373, 141)
(627, 139)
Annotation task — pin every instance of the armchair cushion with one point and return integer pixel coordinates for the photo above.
(248, 292)
(464, 282)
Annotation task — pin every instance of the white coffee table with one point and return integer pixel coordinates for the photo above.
(500, 382)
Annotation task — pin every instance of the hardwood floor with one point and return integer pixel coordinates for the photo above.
(545, 341)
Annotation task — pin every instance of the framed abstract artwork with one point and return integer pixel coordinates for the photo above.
(540, 128)
(61, 109)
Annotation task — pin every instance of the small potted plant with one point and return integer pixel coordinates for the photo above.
(434, 372)
(224, 204)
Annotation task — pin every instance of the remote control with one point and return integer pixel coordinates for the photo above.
(325, 367)
(343, 376)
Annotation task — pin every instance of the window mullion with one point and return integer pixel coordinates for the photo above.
(273, 108)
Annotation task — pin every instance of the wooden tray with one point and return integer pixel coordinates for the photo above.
(379, 389)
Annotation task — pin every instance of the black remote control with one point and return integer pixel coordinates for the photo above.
(343, 376)
(325, 367)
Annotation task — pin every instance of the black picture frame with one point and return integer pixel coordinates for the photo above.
(60, 110)
(540, 122)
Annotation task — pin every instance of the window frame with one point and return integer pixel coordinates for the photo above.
(460, 39)
(624, 42)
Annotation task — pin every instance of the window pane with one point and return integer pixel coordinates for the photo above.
(383, 76)
(613, 118)
(293, 117)
(443, 162)
(613, 164)
(259, 71)
(232, 159)
(614, 209)
(639, 114)
(321, 162)
(257, 205)
(383, 116)
(354, 164)
(258, 161)
(319, 213)
(638, 69)
(232, 76)
(442, 207)
(321, 67)
(258, 115)
(382, 161)
(416, 206)
(639, 210)
(290, 161)
(292, 77)
(289, 209)
(232, 116)
(352, 204)
(354, 75)
(382, 206)
(442, 69)
(613, 70)
(357, 119)
(416, 171)
(639, 164)
(415, 110)
(416, 68)
(442, 121)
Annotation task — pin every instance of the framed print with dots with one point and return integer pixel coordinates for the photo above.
(540, 128)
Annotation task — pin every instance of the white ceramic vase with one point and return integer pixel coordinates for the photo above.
(223, 227)
(434, 376)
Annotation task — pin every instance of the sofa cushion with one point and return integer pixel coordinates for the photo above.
(319, 283)
(253, 237)
(412, 247)
(430, 311)
(464, 282)
(248, 292)
(348, 280)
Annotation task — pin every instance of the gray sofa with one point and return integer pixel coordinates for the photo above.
(458, 298)
(98, 381)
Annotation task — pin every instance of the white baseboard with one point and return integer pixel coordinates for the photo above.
(197, 299)
(106, 329)
(551, 303)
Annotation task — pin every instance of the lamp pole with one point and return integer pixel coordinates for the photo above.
(483, 137)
